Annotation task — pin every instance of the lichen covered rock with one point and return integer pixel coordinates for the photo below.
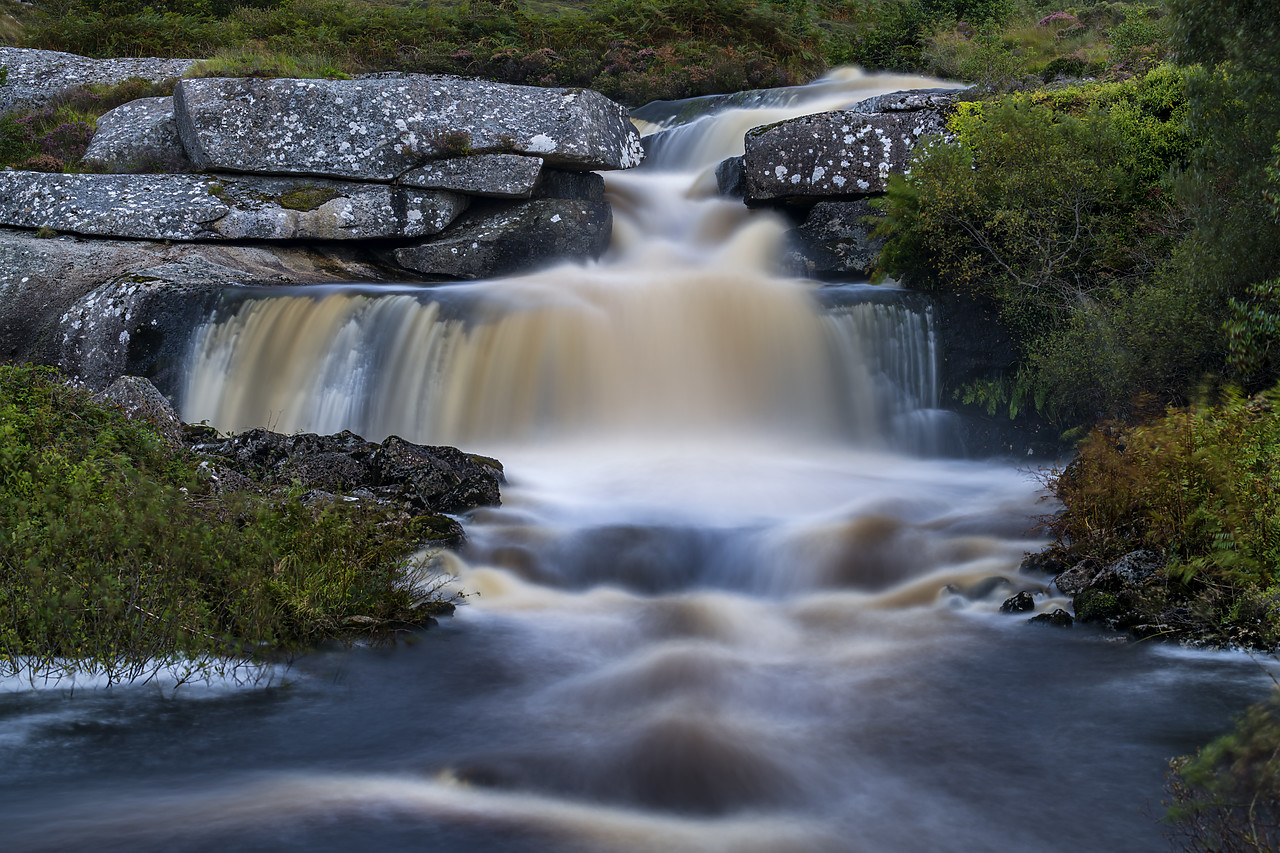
(140, 136)
(36, 77)
(835, 240)
(200, 207)
(846, 153)
(377, 129)
(489, 175)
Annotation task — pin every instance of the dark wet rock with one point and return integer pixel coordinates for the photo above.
(1057, 618)
(1097, 605)
(1023, 602)
(835, 240)
(140, 136)
(730, 179)
(1043, 562)
(37, 77)
(138, 399)
(840, 154)
(424, 479)
(490, 175)
(503, 239)
(1115, 593)
(579, 186)
(377, 128)
(199, 207)
(981, 589)
(1078, 577)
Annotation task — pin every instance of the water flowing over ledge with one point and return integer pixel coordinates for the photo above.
(733, 599)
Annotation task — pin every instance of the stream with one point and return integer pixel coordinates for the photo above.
(742, 593)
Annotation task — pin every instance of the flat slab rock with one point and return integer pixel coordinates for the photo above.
(378, 129)
(36, 77)
(140, 136)
(841, 153)
(514, 237)
(199, 207)
(490, 175)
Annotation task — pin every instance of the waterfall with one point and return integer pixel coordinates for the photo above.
(581, 351)
(735, 598)
(685, 327)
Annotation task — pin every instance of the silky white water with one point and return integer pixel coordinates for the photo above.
(732, 599)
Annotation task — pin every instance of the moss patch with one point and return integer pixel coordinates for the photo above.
(307, 197)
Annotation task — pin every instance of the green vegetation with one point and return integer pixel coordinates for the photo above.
(1053, 204)
(1128, 231)
(54, 137)
(120, 553)
(1201, 486)
(306, 197)
(1226, 797)
(632, 50)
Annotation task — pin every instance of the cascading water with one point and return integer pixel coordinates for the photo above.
(721, 608)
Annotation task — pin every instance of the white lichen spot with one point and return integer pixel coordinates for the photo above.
(124, 336)
(795, 179)
(863, 185)
(818, 174)
(555, 218)
(541, 144)
(781, 172)
(838, 180)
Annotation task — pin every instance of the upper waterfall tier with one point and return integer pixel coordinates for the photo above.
(686, 325)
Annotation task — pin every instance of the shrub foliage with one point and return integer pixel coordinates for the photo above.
(118, 553)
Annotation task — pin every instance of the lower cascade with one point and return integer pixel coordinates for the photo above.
(742, 593)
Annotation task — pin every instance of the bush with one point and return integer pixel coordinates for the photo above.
(1226, 797)
(117, 553)
(1200, 486)
(1052, 205)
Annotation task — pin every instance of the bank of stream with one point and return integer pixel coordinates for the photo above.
(738, 596)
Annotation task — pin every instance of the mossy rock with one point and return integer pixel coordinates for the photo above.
(307, 197)
(1094, 605)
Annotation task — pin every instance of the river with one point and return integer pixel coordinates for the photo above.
(739, 595)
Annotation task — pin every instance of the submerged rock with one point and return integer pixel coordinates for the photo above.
(376, 129)
(1057, 618)
(1020, 603)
